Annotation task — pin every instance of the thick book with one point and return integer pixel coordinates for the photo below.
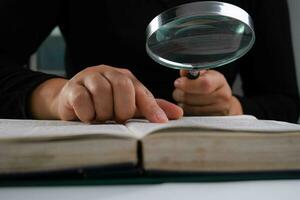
(190, 145)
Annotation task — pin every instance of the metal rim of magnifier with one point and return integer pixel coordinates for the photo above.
(202, 8)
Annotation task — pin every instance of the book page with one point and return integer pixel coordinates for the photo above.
(246, 123)
(45, 129)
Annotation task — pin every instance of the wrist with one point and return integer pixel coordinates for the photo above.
(44, 97)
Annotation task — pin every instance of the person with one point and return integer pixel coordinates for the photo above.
(110, 76)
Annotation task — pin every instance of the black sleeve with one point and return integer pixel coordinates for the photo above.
(24, 25)
(268, 71)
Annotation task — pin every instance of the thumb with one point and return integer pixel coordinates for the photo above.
(172, 110)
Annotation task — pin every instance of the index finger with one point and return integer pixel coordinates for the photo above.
(148, 106)
(145, 101)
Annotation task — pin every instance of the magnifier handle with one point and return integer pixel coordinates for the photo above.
(193, 74)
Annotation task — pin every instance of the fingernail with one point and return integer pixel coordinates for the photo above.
(161, 116)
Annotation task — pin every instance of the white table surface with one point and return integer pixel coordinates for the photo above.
(273, 190)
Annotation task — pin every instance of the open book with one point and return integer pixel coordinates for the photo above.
(191, 144)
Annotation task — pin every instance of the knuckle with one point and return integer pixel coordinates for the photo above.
(94, 85)
(108, 74)
(97, 86)
(90, 69)
(122, 81)
(112, 75)
(96, 68)
(126, 71)
(94, 89)
(101, 66)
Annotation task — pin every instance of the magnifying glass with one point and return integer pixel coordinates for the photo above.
(199, 35)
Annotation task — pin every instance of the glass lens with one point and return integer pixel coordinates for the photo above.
(200, 42)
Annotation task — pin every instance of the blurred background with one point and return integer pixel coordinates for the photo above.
(50, 56)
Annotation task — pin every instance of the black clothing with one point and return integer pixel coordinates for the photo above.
(112, 32)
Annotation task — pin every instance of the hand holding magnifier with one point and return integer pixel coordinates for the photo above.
(199, 35)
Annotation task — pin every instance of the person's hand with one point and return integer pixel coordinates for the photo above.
(209, 94)
(100, 93)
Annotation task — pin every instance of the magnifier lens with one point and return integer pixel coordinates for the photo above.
(199, 42)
